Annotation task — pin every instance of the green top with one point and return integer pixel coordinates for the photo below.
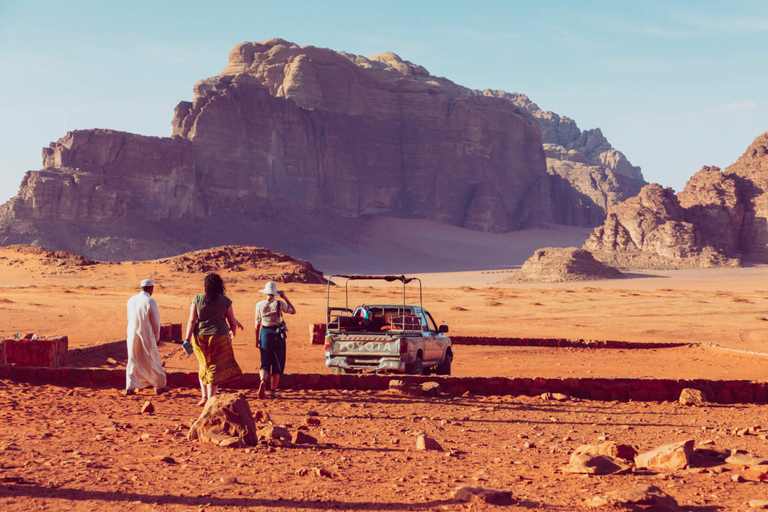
(211, 319)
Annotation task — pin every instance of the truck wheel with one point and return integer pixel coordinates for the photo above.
(444, 368)
(416, 367)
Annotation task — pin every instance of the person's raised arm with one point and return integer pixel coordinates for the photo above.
(291, 310)
(233, 323)
(191, 322)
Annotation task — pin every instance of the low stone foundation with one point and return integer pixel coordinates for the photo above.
(641, 390)
(48, 351)
(317, 337)
(170, 332)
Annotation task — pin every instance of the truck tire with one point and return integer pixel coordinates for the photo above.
(416, 367)
(444, 368)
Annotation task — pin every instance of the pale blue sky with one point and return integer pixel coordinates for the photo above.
(674, 85)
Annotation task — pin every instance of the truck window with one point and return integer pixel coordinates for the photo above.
(431, 323)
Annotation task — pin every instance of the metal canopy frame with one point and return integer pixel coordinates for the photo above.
(356, 277)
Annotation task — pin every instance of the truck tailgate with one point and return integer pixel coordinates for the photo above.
(363, 345)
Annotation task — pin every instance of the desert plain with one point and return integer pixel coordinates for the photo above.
(75, 448)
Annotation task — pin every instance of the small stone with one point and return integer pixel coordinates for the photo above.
(312, 412)
(690, 396)
(311, 421)
(529, 445)
(737, 478)
(641, 497)
(111, 361)
(144, 437)
(302, 438)
(322, 472)
(231, 442)
(301, 471)
(759, 504)
(228, 479)
(147, 408)
(431, 388)
(427, 443)
(483, 494)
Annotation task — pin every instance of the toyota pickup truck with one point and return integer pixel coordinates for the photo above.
(385, 337)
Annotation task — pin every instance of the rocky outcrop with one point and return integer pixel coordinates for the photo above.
(587, 175)
(298, 145)
(750, 173)
(720, 218)
(563, 264)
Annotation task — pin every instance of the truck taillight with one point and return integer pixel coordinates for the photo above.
(327, 345)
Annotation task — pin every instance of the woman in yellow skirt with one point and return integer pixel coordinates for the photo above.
(211, 327)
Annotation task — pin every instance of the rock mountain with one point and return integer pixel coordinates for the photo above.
(720, 218)
(293, 147)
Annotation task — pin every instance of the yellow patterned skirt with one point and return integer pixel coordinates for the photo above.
(216, 358)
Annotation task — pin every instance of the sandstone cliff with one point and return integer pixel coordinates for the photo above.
(720, 218)
(293, 147)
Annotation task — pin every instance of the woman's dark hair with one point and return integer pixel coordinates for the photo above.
(214, 287)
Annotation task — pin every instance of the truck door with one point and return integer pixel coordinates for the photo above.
(429, 332)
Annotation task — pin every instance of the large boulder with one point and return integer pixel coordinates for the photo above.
(225, 416)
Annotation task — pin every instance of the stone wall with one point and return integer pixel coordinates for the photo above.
(170, 332)
(49, 351)
(317, 337)
(653, 390)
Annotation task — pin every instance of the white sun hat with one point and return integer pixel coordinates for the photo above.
(270, 288)
(147, 282)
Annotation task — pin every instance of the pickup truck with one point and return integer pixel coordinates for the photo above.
(385, 337)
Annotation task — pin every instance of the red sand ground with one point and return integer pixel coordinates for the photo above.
(63, 448)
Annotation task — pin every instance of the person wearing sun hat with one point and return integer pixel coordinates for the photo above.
(144, 367)
(269, 341)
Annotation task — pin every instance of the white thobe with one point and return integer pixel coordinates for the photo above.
(144, 366)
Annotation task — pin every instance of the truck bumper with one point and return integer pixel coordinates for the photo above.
(383, 366)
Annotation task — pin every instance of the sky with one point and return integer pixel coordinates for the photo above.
(674, 85)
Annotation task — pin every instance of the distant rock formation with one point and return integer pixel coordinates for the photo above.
(587, 175)
(719, 219)
(299, 145)
(563, 264)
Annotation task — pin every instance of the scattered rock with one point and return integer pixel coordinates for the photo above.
(228, 479)
(483, 494)
(224, 416)
(312, 412)
(668, 457)
(111, 361)
(560, 397)
(431, 388)
(322, 472)
(272, 432)
(302, 438)
(756, 473)
(261, 416)
(758, 504)
(405, 388)
(690, 396)
(231, 442)
(147, 408)
(427, 443)
(746, 460)
(311, 421)
(641, 497)
(610, 448)
(594, 464)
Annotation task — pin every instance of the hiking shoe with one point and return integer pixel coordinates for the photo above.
(160, 391)
(129, 392)
(262, 390)
(273, 394)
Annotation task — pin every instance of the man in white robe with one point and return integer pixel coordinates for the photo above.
(144, 366)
